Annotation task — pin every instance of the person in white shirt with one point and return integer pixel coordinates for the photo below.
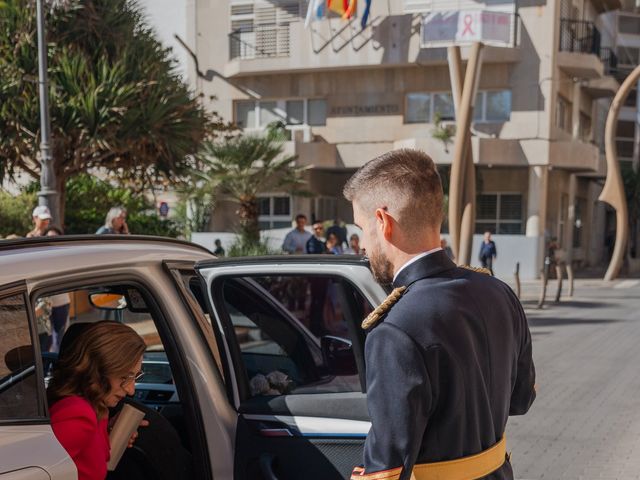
(296, 239)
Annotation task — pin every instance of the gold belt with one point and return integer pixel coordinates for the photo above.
(465, 468)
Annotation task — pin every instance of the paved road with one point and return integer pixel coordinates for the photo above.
(585, 423)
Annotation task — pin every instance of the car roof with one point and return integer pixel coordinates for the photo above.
(44, 256)
(286, 260)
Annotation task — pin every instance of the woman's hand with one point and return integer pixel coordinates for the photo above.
(134, 435)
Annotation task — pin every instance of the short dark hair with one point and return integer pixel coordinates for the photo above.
(300, 215)
(405, 181)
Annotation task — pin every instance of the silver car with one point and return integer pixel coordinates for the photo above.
(254, 366)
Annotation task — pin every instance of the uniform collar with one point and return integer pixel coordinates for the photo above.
(423, 266)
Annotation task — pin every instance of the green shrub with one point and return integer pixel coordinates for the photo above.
(88, 200)
(15, 213)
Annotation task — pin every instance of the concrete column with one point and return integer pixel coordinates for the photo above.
(571, 218)
(575, 111)
(537, 208)
(537, 201)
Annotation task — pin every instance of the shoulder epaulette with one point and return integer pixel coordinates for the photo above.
(476, 269)
(374, 317)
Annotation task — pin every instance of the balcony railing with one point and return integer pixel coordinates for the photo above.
(259, 41)
(610, 60)
(579, 36)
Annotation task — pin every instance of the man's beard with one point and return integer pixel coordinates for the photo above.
(381, 267)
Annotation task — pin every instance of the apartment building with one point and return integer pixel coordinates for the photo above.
(621, 34)
(349, 93)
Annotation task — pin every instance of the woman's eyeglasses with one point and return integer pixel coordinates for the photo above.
(126, 381)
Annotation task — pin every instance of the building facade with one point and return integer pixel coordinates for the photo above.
(348, 94)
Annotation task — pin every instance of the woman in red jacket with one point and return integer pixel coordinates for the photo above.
(92, 375)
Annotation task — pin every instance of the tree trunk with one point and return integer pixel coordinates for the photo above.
(248, 213)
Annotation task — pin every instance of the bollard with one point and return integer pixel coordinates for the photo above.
(559, 275)
(516, 274)
(545, 279)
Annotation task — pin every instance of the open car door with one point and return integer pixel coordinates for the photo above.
(293, 360)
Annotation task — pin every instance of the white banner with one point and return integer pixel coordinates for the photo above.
(467, 26)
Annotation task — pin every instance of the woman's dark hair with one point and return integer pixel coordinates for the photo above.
(101, 350)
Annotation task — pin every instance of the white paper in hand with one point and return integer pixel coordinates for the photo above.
(128, 421)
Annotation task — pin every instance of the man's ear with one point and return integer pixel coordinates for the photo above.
(384, 221)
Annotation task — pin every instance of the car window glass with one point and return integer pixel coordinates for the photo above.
(18, 383)
(294, 332)
(120, 303)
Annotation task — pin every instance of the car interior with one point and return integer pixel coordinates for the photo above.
(163, 449)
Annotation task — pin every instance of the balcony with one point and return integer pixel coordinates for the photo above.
(260, 41)
(389, 41)
(607, 85)
(579, 47)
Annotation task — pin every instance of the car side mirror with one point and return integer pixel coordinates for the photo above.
(338, 355)
(108, 301)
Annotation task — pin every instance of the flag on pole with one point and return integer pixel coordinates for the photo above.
(315, 11)
(345, 8)
(365, 15)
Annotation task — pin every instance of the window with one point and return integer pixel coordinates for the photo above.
(627, 24)
(625, 148)
(269, 113)
(418, 108)
(498, 106)
(628, 55)
(295, 112)
(490, 106)
(18, 380)
(250, 114)
(577, 226)
(281, 324)
(274, 211)
(585, 127)
(443, 106)
(317, 112)
(246, 114)
(563, 114)
(499, 213)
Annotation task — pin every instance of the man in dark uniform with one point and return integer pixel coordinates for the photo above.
(448, 354)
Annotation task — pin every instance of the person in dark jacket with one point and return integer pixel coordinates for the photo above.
(488, 252)
(316, 243)
(448, 353)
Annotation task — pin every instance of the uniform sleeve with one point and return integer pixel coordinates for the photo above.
(524, 392)
(399, 400)
(74, 427)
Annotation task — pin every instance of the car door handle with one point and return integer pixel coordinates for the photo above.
(266, 466)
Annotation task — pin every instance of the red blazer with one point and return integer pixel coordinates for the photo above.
(84, 437)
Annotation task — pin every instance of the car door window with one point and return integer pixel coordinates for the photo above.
(19, 394)
(293, 332)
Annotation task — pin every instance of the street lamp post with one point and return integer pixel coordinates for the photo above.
(47, 196)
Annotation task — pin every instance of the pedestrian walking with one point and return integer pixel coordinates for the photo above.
(41, 218)
(488, 252)
(448, 353)
(115, 222)
(296, 240)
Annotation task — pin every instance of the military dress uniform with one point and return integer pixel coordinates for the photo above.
(445, 367)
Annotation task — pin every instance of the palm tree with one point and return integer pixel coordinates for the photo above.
(244, 165)
(116, 100)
